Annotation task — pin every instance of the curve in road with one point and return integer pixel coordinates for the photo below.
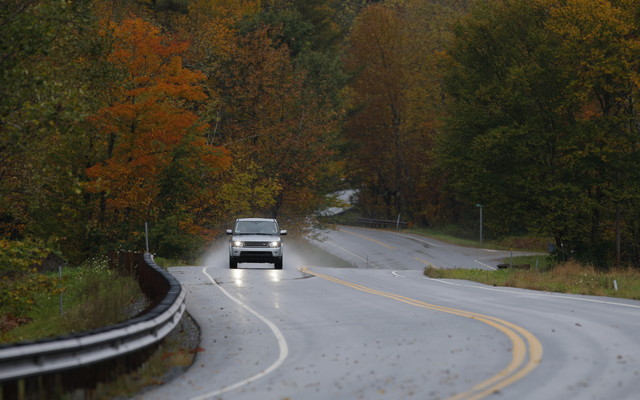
(400, 335)
(282, 343)
(526, 353)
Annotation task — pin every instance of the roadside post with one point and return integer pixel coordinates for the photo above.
(480, 206)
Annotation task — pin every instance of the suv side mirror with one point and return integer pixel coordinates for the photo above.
(283, 232)
(229, 231)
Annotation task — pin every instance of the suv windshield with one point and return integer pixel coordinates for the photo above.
(255, 228)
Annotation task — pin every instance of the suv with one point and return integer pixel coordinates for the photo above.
(255, 240)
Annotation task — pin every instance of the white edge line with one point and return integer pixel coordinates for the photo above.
(486, 265)
(397, 275)
(530, 292)
(284, 349)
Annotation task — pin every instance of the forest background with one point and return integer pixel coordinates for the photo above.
(185, 114)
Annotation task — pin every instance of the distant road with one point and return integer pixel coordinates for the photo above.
(370, 248)
(381, 330)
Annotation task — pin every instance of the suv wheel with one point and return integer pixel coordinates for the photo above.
(278, 264)
(233, 263)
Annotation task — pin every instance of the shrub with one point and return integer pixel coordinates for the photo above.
(20, 281)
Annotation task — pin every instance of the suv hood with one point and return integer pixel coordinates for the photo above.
(256, 238)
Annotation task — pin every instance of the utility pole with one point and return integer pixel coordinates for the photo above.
(480, 206)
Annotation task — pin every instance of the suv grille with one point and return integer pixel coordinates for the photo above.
(256, 244)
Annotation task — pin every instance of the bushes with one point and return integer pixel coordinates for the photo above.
(20, 281)
(97, 296)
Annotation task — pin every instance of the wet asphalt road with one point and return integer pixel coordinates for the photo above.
(369, 325)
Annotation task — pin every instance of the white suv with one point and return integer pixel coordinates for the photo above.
(255, 240)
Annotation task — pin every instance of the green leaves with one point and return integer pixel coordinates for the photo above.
(43, 106)
(543, 116)
(19, 279)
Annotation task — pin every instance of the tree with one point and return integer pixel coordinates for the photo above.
(268, 120)
(542, 128)
(49, 72)
(377, 46)
(156, 158)
(396, 101)
(503, 96)
(599, 44)
(210, 27)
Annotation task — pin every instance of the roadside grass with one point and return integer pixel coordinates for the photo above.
(169, 262)
(92, 296)
(544, 272)
(569, 277)
(450, 235)
(166, 262)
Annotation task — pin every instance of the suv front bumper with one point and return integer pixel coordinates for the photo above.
(247, 254)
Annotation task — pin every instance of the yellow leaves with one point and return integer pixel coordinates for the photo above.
(271, 121)
(586, 19)
(216, 9)
(588, 22)
(174, 68)
(598, 43)
(248, 189)
(210, 25)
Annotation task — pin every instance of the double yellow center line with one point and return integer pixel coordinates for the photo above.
(526, 353)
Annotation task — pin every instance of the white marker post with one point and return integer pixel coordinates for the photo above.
(146, 235)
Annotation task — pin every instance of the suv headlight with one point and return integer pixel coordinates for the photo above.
(275, 244)
(237, 243)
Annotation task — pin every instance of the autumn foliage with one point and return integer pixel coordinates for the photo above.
(271, 120)
(396, 101)
(185, 115)
(148, 127)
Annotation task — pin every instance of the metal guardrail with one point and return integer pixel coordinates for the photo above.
(64, 354)
(380, 223)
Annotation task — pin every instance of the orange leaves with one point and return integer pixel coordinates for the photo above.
(153, 63)
(140, 46)
(148, 119)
